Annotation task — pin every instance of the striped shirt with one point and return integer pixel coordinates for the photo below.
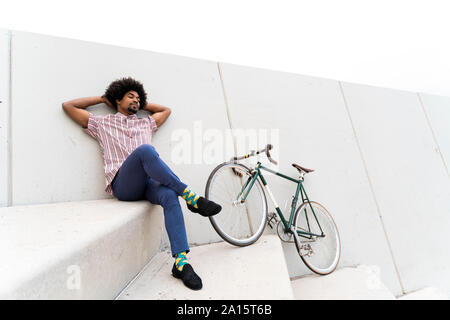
(118, 136)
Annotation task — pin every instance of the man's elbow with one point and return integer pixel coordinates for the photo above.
(65, 105)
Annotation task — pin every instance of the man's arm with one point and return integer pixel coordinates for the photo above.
(159, 113)
(75, 108)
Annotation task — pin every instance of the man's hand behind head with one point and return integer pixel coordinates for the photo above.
(107, 102)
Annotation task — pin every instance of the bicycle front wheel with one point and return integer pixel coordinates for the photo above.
(240, 222)
(320, 254)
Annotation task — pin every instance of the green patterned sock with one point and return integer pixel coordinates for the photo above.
(191, 197)
(180, 260)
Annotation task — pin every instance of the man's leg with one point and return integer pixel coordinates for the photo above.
(142, 163)
(158, 170)
(156, 193)
(129, 184)
(130, 181)
(132, 184)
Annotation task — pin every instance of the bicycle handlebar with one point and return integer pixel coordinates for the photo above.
(253, 153)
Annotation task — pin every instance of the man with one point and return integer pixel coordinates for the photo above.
(133, 168)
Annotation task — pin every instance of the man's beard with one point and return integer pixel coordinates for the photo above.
(132, 110)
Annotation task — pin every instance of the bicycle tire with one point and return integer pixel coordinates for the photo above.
(233, 233)
(332, 242)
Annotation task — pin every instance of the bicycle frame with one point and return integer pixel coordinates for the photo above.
(256, 172)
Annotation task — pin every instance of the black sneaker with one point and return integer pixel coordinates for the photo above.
(206, 207)
(189, 277)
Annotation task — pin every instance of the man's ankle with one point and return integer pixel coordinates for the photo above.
(191, 197)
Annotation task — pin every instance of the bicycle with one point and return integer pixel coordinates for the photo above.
(240, 191)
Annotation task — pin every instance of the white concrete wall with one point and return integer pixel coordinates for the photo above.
(315, 132)
(381, 156)
(4, 115)
(55, 161)
(409, 181)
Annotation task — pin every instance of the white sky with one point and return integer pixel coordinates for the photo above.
(397, 44)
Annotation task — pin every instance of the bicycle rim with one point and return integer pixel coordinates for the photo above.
(325, 252)
(240, 224)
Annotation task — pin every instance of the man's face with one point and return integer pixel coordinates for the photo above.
(129, 103)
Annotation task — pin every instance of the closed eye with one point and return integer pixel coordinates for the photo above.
(132, 96)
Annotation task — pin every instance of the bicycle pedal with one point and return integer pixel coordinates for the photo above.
(273, 216)
(307, 250)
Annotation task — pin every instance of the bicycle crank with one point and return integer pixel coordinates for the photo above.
(284, 235)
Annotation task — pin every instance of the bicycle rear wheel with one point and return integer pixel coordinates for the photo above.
(238, 223)
(320, 254)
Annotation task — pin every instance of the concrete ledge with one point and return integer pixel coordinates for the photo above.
(254, 272)
(76, 250)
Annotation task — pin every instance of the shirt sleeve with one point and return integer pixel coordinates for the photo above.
(153, 124)
(93, 125)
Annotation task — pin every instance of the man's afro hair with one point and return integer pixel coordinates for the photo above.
(118, 88)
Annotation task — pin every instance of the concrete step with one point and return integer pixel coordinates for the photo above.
(76, 250)
(350, 283)
(254, 272)
(428, 293)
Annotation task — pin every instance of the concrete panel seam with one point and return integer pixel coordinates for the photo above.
(371, 186)
(433, 134)
(227, 108)
(138, 275)
(131, 281)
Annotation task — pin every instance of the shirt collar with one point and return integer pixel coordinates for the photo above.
(131, 116)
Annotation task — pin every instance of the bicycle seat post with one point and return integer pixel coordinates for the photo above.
(302, 175)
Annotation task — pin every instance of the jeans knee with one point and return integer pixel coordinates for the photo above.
(147, 151)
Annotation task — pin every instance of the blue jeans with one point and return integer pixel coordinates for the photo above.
(143, 175)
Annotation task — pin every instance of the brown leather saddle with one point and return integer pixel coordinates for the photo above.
(300, 168)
